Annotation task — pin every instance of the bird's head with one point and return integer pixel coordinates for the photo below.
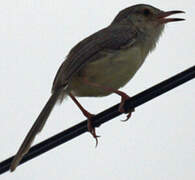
(145, 17)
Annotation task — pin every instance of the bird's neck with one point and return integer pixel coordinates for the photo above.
(149, 39)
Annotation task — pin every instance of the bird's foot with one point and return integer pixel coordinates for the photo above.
(88, 115)
(91, 129)
(125, 97)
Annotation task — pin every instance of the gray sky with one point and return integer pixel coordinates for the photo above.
(157, 143)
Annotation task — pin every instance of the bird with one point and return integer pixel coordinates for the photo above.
(102, 63)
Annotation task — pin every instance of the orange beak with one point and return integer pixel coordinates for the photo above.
(162, 16)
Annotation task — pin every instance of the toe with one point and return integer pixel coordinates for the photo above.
(92, 131)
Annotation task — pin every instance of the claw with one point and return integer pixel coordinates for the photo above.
(128, 116)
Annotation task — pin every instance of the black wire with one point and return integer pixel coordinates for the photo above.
(103, 117)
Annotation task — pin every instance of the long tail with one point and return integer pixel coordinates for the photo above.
(36, 128)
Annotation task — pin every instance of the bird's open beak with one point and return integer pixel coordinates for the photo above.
(162, 16)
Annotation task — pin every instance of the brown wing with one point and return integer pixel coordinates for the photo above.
(112, 37)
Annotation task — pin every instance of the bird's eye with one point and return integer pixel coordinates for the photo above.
(146, 12)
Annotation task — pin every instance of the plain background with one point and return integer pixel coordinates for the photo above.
(157, 143)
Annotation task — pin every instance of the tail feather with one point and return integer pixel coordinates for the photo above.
(36, 128)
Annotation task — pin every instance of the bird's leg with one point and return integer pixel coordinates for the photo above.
(88, 115)
(123, 95)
